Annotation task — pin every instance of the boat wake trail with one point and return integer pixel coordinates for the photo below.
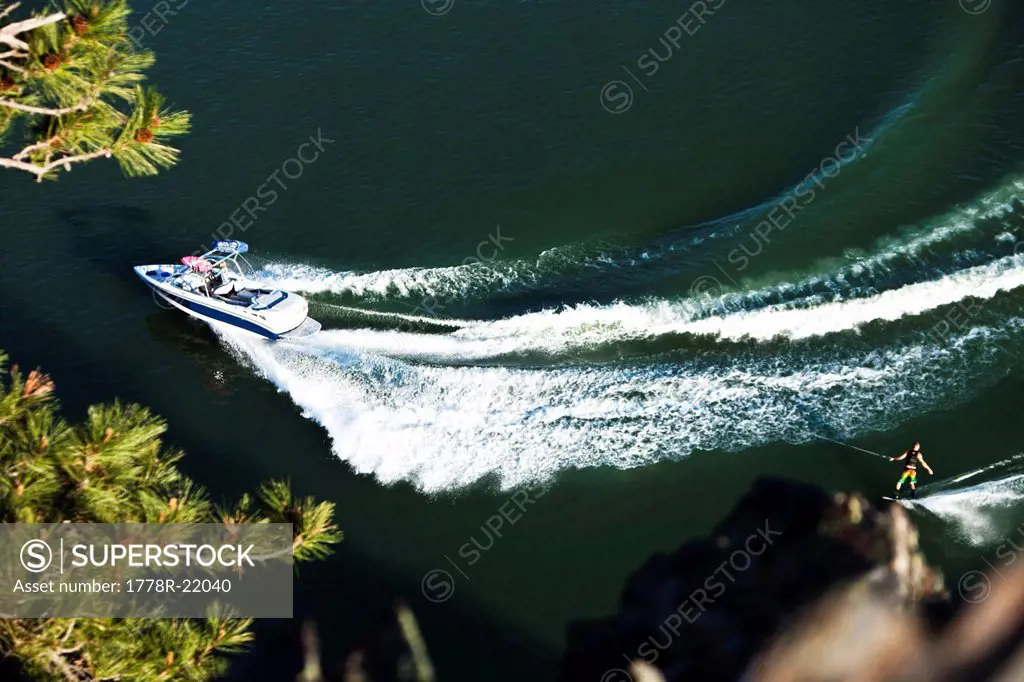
(863, 346)
(818, 315)
(962, 236)
(979, 512)
(445, 427)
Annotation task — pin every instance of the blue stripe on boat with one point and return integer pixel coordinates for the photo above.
(220, 316)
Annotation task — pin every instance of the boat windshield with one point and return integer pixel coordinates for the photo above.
(218, 264)
(211, 270)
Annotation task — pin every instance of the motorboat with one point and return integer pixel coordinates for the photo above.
(214, 288)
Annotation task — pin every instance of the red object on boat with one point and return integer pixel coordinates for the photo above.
(196, 263)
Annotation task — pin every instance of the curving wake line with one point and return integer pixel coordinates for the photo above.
(974, 510)
(441, 426)
(563, 263)
(585, 326)
(445, 427)
(592, 325)
(1002, 464)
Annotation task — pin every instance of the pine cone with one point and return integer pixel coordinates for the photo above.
(37, 385)
(51, 61)
(144, 135)
(80, 25)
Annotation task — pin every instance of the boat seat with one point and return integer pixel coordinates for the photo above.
(224, 289)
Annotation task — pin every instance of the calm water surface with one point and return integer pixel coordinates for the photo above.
(655, 331)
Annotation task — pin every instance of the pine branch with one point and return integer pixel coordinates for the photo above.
(44, 111)
(64, 83)
(10, 8)
(45, 464)
(8, 32)
(63, 162)
(38, 146)
(69, 673)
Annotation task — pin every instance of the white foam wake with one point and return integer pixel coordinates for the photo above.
(981, 282)
(459, 281)
(589, 326)
(1003, 464)
(455, 281)
(978, 511)
(443, 427)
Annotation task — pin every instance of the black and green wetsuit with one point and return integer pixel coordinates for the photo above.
(910, 467)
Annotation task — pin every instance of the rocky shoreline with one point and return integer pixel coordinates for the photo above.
(795, 584)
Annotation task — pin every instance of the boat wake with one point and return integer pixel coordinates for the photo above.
(978, 512)
(445, 403)
(967, 232)
(445, 427)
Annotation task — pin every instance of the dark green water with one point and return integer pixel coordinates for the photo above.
(643, 342)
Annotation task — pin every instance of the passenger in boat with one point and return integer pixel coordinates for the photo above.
(218, 278)
(214, 281)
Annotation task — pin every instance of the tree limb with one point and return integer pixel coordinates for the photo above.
(64, 667)
(20, 156)
(20, 165)
(9, 9)
(71, 627)
(12, 67)
(44, 111)
(8, 32)
(65, 161)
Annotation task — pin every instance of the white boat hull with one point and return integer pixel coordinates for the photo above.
(285, 317)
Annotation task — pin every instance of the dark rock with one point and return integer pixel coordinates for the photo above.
(704, 611)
